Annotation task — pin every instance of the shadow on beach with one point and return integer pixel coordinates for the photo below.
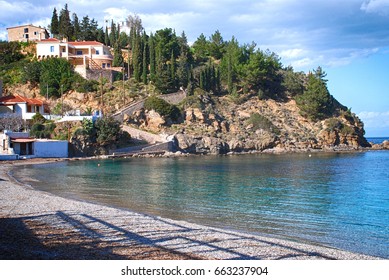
(82, 236)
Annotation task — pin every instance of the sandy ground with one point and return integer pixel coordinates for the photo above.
(38, 225)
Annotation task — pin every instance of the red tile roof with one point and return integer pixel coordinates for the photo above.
(15, 99)
(50, 40)
(85, 43)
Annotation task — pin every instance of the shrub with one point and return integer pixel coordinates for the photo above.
(38, 118)
(39, 130)
(260, 122)
(162, 107)
(107, 129)
(334, 124)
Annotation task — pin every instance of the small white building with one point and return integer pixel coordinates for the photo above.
(20, 144)
(26, 107)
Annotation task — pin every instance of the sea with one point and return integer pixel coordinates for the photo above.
(338, 200)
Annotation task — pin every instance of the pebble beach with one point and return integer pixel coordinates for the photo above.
(39, 225)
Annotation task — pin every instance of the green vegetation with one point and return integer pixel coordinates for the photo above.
(41, 128)
(107, 130)
(260, 122)
(316, 102)
(164, 62)
(162, 107)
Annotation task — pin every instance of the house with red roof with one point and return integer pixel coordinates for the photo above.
(26, 107)
(82, 55)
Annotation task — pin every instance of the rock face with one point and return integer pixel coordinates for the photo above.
(215, 125)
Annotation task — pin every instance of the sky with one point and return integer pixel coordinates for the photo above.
(349, 39)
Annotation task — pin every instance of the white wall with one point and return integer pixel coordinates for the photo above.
(43, 49)
(51, 149)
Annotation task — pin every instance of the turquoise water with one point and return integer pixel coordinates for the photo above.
(339, 200)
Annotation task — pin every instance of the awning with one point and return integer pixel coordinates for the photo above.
(22, 140)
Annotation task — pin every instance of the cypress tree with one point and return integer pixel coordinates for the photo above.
(76, 27)
(173, 70)
(144, 63)
(137, 57)
(152, 57)
(54, 26)
(65, 25)
(106, 37)
(112, 35)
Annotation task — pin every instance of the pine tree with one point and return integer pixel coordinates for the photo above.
(316, 102)
(54, 26)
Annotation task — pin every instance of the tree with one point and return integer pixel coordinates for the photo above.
(106, 37)
(118, 59)
(144, 62)
(56, 76)
(65, 24)
(13, 122)
(76, 27)
(54, 26)
(152, 57)
(216, 45)
(316, 102)
(200, 47)
(32, 72)
(112, 34)
(10, 52)
(108, 129)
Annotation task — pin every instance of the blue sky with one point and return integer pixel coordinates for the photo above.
(348, 38)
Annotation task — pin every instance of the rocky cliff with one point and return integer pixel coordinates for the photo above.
(218, 125)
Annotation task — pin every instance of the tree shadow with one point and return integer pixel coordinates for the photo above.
(73, 236)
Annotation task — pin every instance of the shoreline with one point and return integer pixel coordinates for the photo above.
(62, 228)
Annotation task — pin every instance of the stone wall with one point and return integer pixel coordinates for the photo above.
(108, 74)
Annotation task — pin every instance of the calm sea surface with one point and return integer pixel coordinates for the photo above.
(339, 200)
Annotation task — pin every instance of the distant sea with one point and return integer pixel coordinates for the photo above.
(333, 199)
(377, 140)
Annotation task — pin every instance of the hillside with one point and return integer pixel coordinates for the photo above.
(218, 125)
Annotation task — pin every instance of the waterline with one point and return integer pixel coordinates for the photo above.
(338, 200)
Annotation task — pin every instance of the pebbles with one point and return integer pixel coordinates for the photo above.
(122, 230)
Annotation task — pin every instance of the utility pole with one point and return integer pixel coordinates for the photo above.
(101, 93)
(124, 98)
(62, 101)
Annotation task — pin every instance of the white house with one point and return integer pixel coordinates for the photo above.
(82, 55)
(20, 145)
(26, 107)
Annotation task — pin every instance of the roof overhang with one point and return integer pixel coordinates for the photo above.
(22, 140)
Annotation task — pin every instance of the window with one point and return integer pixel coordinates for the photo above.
(104, 65)
(35, 33)
(63, 49)
(97, 52)
(26, 36)
(79, 52)
(25, 30)
(108, 65)
(51, 48)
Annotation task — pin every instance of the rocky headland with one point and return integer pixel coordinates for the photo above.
(211, 124)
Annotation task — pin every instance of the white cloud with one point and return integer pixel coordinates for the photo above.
(376, 6)
(375, 119)
(304, 33)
